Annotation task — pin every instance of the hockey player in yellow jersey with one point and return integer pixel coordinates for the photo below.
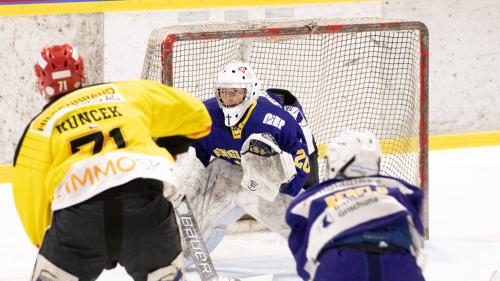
(90, 180)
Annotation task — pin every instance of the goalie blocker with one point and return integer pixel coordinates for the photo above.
(265, 166)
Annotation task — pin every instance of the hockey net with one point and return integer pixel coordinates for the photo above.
(363, 74)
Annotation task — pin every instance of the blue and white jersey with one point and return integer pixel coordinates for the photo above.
(261, 117)
(346, 210)
(296, 110)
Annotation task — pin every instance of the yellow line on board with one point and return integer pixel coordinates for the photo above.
(455, 141)
(439, 142)
(137, 5)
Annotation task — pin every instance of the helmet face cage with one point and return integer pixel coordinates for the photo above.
(236, 91)
(354, 154)
(237, 75)
(60, 70)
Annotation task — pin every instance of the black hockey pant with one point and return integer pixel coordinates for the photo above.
(132, 224)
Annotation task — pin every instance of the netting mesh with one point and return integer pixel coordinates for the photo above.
(347, 76)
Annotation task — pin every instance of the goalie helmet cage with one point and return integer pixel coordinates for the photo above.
(357, 74)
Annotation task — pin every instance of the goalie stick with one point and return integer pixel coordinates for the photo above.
(196, 244)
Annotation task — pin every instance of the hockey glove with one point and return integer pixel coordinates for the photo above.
(265, 166)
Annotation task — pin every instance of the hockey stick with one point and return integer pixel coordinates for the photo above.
(196, 244)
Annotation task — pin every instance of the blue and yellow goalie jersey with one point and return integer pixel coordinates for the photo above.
(97, 138)
(261, 117)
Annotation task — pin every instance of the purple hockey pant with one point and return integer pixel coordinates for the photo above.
(355, 265)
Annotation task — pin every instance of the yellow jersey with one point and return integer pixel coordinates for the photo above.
(96, 138)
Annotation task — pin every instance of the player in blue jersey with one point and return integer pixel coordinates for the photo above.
(286, 100)
(358, 225)
(255, 160)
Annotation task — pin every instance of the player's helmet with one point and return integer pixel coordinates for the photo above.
(237, 75)
(59, 70)
(354, 154)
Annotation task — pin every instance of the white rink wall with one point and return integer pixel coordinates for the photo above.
(464, 53)
(21, 39)
(464, 49)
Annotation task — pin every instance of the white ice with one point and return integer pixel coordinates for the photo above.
(464, 240)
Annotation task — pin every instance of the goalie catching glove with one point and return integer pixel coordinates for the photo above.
(265, 166)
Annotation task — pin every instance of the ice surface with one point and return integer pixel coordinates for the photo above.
(464, 240)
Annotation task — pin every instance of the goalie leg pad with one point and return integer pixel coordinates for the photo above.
(219, 231)
(211, 194)
(270, 214)
(47, 271)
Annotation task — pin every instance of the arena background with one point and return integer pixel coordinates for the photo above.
(112, 37)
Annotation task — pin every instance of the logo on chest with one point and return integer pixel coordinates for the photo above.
(273, 120)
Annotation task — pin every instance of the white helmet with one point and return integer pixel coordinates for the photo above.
(237, 75)
(354, 154)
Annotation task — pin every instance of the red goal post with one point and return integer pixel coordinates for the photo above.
(357, 74)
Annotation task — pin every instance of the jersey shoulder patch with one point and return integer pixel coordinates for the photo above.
(276, 116)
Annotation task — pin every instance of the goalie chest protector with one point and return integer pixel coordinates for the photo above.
(261, 117)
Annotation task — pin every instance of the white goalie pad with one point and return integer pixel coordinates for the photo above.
(218, 200)
(265, 166)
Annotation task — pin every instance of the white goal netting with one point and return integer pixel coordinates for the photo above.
(364, 74)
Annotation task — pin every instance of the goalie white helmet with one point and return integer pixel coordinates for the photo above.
(237, 88)
(354, 154)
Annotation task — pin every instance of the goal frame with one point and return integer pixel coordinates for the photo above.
(274, 30)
